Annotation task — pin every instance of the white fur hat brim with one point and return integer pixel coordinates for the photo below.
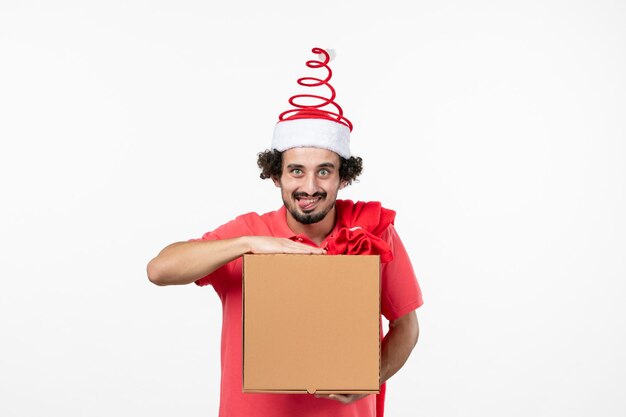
(314, 133)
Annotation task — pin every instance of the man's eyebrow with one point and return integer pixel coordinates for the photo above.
(322, 165)
(326, 165)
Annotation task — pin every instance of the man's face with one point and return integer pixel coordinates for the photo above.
(309, 183)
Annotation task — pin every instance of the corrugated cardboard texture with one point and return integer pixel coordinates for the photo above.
(311, 323)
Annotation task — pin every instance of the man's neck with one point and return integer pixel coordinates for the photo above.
(317, 232)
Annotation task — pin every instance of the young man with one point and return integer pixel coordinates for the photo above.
(310, 162)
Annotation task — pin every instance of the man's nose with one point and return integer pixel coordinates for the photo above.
(309, 184)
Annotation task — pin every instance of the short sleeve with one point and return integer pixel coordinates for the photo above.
(400, 291)
(232, 229)
(207, 280)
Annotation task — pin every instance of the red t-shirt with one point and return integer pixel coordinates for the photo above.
(400, 294)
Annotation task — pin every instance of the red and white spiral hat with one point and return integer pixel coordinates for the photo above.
(309, 125)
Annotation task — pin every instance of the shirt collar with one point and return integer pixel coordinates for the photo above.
(282, 228)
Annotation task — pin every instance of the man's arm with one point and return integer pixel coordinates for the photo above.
(185, 262)
(396, 347)
(398, 344)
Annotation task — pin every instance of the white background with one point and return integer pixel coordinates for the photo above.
(495, 130)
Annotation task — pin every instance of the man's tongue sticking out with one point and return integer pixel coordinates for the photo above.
(307, 202)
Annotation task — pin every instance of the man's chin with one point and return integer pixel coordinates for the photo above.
(308, 217)
(311, 216)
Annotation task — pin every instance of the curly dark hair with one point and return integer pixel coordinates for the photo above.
(271, 164)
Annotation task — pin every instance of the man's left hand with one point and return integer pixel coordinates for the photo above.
(342, 398)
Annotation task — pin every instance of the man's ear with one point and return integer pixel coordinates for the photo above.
(343, 184)
(276, 181)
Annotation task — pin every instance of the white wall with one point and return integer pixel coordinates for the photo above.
(495, 129)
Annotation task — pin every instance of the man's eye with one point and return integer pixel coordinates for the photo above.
(324, 172)
(296, 171)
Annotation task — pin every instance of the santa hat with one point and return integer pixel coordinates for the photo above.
(309, 125)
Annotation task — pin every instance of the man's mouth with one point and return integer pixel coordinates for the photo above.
(307, 202)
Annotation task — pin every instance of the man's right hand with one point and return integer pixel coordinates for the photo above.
(266, 244)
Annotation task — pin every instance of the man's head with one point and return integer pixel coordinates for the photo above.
(309, 179)
(310, 157)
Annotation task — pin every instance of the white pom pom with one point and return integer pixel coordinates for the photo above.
(331, 53)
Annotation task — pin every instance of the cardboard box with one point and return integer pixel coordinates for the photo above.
(311, 323)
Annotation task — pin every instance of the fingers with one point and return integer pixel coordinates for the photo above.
(266, 244)
(342, 398)
(297, 247)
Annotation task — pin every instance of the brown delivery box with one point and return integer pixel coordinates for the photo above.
(311, 323)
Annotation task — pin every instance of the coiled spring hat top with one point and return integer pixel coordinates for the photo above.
(313, 125)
